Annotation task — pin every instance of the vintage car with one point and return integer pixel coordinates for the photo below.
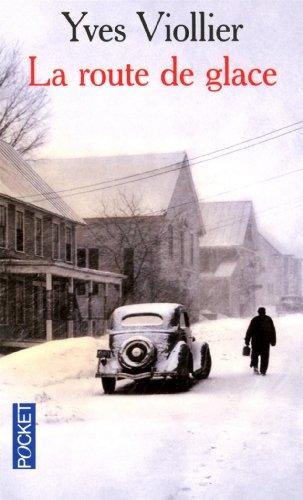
(149, 341)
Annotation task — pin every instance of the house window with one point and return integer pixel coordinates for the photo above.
(68, 244)
(192, 249)
(93, 258)
(19, 231)
(56, 241)
(3, 226)
(81, 288)
(95, 290)
(81, 257)
(38, 236)
(170, 241)
(19, 305)
(3, 302)
(182, 247)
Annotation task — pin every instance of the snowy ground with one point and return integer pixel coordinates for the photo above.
(234, 435)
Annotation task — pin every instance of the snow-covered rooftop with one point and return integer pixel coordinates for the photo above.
(86, 183)
(225, 222)
(18, 180)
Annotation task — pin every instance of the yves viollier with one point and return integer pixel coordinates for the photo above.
(199, 27)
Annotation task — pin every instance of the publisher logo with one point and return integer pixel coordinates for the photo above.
(24, 435)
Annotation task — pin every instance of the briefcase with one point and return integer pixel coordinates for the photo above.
(246, 350)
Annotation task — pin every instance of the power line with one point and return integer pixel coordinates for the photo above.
(164, 170)
(201, 200)
(257, 213)
(221, 226)
(268, 179)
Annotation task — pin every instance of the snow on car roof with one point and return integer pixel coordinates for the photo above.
(162, 308)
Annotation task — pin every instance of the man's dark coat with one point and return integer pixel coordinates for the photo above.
(261, 332)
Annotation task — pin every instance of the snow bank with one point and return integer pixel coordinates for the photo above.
(52, 362)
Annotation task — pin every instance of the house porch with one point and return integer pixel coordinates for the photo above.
(42, 301)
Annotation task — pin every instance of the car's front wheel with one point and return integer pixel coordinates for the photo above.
(108, 384)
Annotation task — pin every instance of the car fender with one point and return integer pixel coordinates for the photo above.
(171, 363)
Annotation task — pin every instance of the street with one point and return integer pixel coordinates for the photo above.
(234, 435)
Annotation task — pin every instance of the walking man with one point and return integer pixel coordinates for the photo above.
(262, 334)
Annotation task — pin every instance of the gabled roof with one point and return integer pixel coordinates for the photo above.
(90, 187)
(225, 223)
(264, 244)
(19, 181)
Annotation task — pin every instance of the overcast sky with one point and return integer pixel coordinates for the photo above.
(102, 120)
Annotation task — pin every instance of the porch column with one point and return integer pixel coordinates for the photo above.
(71, 313)
(90, 308)
(105, 305)
(49, 307)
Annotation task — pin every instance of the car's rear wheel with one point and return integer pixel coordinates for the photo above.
(108, 384)
(183, 378)
(206, 363)
(206, 371)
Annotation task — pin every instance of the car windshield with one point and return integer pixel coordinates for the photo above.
(149, 319)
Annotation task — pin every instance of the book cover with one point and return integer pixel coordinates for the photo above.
(150, 249)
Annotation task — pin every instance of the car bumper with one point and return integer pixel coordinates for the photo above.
(137, 376)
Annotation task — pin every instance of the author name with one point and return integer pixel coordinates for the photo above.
(199, 27)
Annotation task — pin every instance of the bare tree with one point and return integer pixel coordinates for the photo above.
(135, 242)
(130, 231)
(23, 110)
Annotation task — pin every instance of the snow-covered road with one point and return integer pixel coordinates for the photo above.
(234, 435)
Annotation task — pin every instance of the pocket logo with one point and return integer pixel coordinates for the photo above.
(24, 435)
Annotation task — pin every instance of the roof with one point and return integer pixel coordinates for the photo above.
(225, 222)
(87, 183)
(163, 308)
(63, 269)
(18, 180)
(264, 244)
